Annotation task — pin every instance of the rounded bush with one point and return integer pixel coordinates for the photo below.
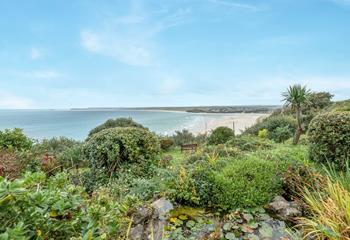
(14, 139)
(329, 138)
(246, 183)
(118, 122)
(111, 147)
(220, 135)
(166, 144)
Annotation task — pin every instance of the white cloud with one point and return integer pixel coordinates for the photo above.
(8, 101)
(36, 53)
(126, 49)
(131, 39)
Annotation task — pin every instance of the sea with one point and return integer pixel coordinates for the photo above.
(76, 124)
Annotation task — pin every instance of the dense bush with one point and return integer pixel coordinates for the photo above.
(118, 122)
(249, 143)
(183, 137)
(10, 165)
(274, 124)
(220, 135)
(281, 134)
(67, 152)
(246, 183)
(111, 147)
(329, 138)
(166, 144)
(37, 207)
(227, 183)
(14, 139)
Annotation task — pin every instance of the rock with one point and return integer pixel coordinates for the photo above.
(142, 214)
(283, 209)
(162, 207)
(136, 232)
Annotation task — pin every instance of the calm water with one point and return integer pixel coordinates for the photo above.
(41, 124)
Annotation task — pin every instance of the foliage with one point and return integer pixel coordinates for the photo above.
(14, 139)
(42, 208)
(10, 165)
(301, 176)
(183, 137)
(296, 96)
(221, 150)
(342, 177)
(67, 152)
(341, 106)
(318, 100)
(271, 124)
(329, 137)
(113, 123)
(255, 183)
(329, 213)
(249, 143)
(263, 133)
(281, 134)
(166, 144)
(220, 135)
(109, 148)
(257, 177)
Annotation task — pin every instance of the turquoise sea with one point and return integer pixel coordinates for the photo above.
(39, 124)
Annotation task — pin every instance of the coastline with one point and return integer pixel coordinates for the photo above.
(240, 121)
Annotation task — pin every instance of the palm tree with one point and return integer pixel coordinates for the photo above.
(296, 96)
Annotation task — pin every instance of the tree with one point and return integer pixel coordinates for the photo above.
(296, 97)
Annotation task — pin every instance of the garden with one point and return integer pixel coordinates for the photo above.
(286, 177)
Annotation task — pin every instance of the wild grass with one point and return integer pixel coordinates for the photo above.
(330, 209)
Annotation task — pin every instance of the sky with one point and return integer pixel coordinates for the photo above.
(138, 53)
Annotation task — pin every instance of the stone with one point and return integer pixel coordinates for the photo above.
(162, 207)
(136, 232)
(142, 214)
(283, 209)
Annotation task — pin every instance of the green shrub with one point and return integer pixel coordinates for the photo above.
(166, 144)
(246, 183)
(183, 137)
(221, 150)
(281, 134)
(111, 147)
(220, 135)
(14, 139)
(329, 137)
(68, 152)
(118, 122)
(248, 180)
(263, 133)
(38, 207)
(249, 143)
(271, 124)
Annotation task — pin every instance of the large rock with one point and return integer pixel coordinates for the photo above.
(149, 222)
(136, 232)
(142, 215)
(283, 209)
(162, 207)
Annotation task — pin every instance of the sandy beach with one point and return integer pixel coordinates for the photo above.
(240, 121)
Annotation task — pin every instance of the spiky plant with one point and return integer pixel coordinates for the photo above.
(329, 217)
(296, 96)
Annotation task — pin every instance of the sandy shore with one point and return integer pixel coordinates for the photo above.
(240, 121)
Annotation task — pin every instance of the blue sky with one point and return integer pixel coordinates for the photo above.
(71, 53)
